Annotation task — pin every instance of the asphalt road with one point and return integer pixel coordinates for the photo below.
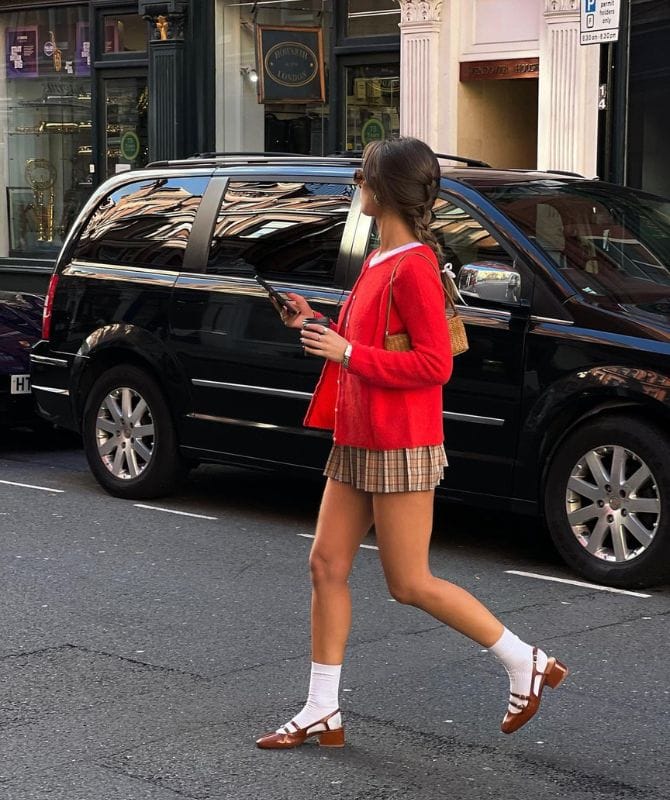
(142, 651)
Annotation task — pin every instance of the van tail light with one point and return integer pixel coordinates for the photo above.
(48, 307)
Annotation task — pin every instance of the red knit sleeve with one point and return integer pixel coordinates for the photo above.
(418, 297)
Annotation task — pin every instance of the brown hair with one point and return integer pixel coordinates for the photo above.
(404, 175)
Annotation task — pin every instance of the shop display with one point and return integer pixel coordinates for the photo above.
(50, 138)
(46, 124)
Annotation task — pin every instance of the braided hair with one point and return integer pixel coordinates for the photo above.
(404, 175)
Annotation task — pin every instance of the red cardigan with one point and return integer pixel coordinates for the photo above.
(388, 400)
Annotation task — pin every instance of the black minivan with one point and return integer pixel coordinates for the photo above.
(162, 349)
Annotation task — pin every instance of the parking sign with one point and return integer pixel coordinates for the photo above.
(599, 21)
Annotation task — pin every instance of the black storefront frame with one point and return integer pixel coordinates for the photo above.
(343, 50)
(104, 66)
(612, 162)
(621, 156)
(31, 273)
(347, 61)
(351, 51)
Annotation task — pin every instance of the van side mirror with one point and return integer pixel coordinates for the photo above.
(489, 280)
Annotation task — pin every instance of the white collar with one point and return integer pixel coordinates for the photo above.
(378, 257)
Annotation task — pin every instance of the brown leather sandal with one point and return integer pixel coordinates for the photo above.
(554, 674)
(282, 740)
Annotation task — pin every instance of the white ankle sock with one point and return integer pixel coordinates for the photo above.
(517, 658)
(323, 697)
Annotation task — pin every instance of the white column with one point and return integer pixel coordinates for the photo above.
(568, 92)
(419, 69)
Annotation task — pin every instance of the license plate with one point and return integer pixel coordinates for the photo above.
(20, 384)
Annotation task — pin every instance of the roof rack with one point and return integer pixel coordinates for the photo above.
(254, 158)
(563, 172)
(247, 157)
(469, 162)
(222, 154)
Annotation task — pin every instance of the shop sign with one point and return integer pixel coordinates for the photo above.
(599, 21)
(21, 49)
(290, 64)
(502, 70)
(129, 146)
(372, 130)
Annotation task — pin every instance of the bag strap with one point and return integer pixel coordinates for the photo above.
(390, 300)
(447, 296)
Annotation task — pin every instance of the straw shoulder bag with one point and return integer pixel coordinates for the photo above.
(401, 342)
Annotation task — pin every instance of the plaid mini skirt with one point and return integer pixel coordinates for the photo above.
(412, 469)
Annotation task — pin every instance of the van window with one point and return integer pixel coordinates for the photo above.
(463, 239)
(279, 229)
(143, 224)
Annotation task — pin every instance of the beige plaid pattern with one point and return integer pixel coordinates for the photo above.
(413, 469)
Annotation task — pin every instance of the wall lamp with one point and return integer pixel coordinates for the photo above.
(250, 72)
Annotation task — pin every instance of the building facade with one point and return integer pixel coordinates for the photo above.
(88, 89)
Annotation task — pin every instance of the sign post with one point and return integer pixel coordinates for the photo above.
(599, 21)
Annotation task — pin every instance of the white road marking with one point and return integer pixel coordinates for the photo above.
(31, 486)
(173, 511)
(575, 583)
(366, 546)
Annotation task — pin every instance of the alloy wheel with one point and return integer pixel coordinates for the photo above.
(125, 433)
(613, 503)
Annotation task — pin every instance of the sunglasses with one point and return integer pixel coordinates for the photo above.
(359, 178)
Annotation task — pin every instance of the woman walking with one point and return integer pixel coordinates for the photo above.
(385, 410)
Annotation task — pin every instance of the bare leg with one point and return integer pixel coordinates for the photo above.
(403, 522)
(344, 519)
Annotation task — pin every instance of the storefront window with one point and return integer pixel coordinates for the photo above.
(372, 103)
(45, 127)
(373, 18)
(126, 142)
(274, 92)
(124, 33)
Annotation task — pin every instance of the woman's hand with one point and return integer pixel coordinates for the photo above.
(318, 340)
(302, 311)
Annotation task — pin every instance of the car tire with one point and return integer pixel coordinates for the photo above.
(607, 502)
(129, 435)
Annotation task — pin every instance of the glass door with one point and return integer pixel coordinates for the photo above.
(123, 123)
(371, 93)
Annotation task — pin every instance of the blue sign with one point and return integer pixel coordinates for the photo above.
(590, 6)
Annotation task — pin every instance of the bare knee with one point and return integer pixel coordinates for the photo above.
(410, 591)
(326, 568)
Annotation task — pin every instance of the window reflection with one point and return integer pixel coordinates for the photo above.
(373, 18)
(280, 228)
(124, 33)
(462, 238)
(611, 243)
(145, 223)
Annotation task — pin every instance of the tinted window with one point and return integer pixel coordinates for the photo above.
(464, 240)
(143, 224)
(278, 229)
(612, 243)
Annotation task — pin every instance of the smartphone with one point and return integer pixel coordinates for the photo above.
(276, 296)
